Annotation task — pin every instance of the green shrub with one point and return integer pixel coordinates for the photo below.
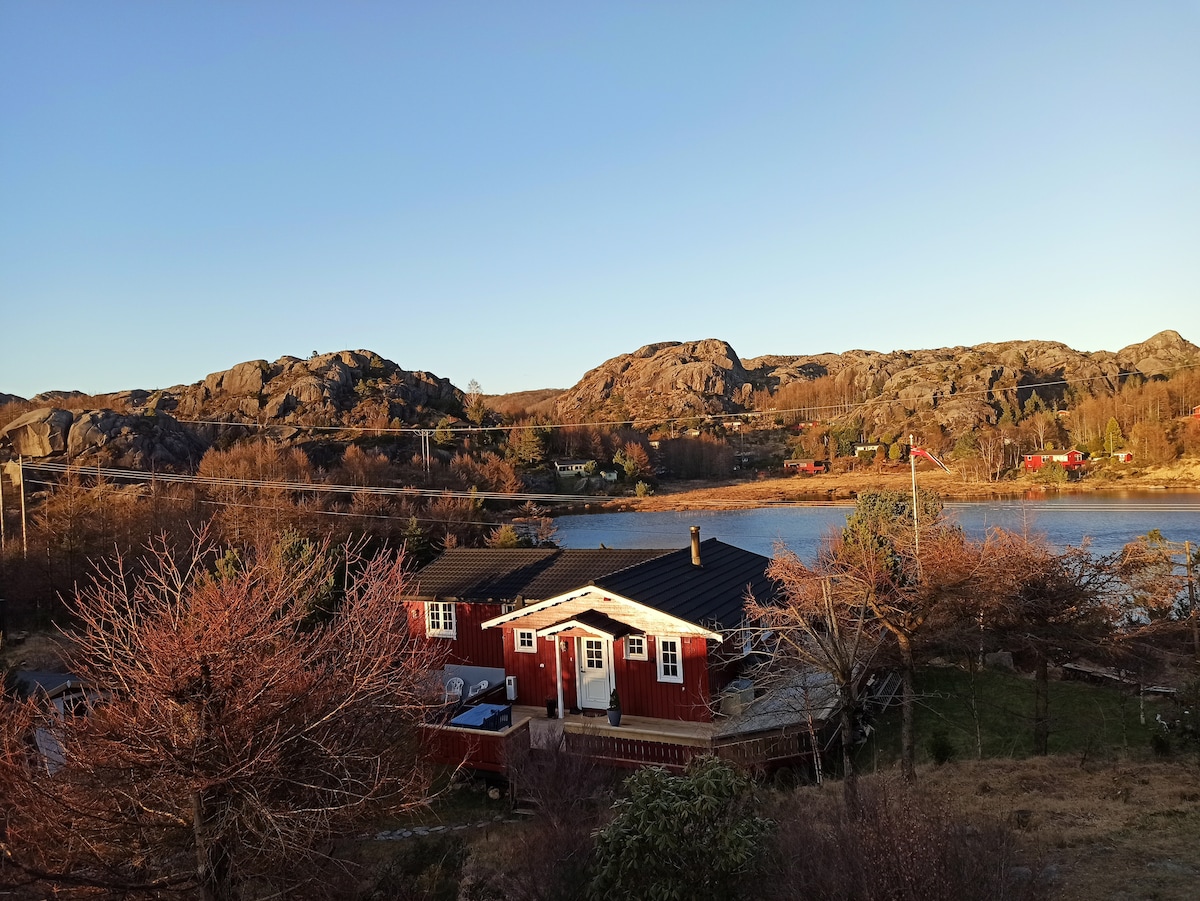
(695, 835)
(941, 749)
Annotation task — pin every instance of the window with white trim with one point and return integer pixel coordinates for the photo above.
(635, 647)
(525, 641)
(670, 659)
(439, 620)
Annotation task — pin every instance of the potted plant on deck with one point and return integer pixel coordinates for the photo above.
(614, 709)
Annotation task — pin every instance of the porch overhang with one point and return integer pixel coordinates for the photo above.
(591, 622)
(585, 606)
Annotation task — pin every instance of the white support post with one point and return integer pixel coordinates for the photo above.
(558, 673)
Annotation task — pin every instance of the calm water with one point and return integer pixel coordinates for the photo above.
(1107, 520)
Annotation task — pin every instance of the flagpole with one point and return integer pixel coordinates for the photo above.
(912, 462)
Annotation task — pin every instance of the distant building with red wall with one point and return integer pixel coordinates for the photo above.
(1070, 460)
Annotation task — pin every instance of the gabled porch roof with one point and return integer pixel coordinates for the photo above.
(595, 609)
(592, 622)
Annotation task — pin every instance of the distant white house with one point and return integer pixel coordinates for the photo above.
(572, 467)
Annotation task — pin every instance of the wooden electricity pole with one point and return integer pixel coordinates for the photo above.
(24, 527)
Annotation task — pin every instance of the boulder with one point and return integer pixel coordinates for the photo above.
(93, 429)
(244, 378)
(39, 433)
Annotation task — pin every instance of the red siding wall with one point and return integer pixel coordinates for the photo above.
(535, 672)
(643, 695)
(473, 646)
(636, 680)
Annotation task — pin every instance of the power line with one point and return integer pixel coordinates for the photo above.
(276, 485)
(297, 511)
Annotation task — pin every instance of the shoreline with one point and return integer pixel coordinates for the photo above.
(843, 488)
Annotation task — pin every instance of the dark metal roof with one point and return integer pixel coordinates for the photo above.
(710, 594)
(486, 574)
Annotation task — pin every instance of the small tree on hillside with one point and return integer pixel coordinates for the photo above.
(634, 460)
(822, 622)
(231, 737)
(1113, 439)
(1042, 602)
(907, 590)
(474, 406)
(526, 445)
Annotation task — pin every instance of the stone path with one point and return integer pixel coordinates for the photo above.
(396, 835)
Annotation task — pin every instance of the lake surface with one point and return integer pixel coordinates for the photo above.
(1107, 520)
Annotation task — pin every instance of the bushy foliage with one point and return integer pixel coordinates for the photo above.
(695, 835)
(231, 735)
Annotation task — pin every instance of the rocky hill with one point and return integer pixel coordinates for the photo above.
(958, 387)
(173, 427)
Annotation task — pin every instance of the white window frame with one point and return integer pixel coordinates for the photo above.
(660, 664)
(531, 648)
(441, 613)
(630, 652)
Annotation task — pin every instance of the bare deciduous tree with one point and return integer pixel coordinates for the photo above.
(230, 737)
(823, 622)
(1042, 602)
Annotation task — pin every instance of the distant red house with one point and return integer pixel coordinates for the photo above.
(1070, 460)
(811, 467)
(1196, 412)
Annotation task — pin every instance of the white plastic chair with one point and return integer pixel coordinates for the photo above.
(478, 688)
(454, 688)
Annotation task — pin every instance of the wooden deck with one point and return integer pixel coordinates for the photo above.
(643, 728)
(638, 741)
(647, 741)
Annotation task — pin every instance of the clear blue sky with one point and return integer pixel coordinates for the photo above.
(515, 192)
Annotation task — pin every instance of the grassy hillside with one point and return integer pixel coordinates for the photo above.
(963, 715)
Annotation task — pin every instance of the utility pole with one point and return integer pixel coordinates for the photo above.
(24, 527)
(425, 433)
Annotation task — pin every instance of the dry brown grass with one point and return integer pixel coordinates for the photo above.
(1123, 830)
(38, 651)
(1184, 474)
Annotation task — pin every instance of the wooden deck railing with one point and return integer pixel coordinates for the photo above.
(477, 749)
(613, 750)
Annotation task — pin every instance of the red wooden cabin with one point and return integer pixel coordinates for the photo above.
(664, 628)
(1070, 460)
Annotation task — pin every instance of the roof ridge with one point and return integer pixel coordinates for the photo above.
(663, 552)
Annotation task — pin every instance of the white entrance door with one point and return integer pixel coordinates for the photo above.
(594, 686)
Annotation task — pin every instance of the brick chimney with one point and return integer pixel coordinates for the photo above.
(695, 545)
